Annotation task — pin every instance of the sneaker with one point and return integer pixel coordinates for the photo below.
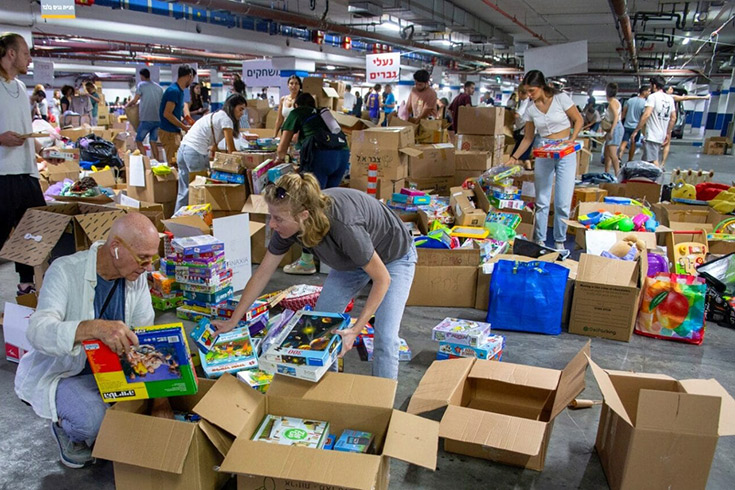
(26, 290)
(559, 246)
(300, 268)
(73, 454)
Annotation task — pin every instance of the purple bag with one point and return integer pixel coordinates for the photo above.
(656, 264)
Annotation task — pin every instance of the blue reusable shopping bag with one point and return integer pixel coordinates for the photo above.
(527, 296)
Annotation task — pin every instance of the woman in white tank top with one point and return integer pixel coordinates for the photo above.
(287, 101)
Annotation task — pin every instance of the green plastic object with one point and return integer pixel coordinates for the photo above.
(500, 232)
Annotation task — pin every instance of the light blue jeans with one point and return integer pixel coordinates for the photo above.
(557, 174)
(80, 408)
(189, 160)
(341, 286)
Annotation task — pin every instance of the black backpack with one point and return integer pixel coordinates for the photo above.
(99, 151)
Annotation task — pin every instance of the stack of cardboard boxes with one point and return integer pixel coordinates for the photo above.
(325, 96)
(480, 141)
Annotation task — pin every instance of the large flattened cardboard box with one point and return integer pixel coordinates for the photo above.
(256, 207)
(499, 411)
(480, 120)
(435, 161)
(657, 432)
(152, 453)
(607, 295)
(346, 401)
(158, 189)
(451, 272)
(48, 232)
(388, 148)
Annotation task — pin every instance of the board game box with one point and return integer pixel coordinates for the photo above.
(302, 371)
(292, 431)
(309, 339)
(160, 366)
(557, 150)
(491, 350)
(199, 244)
(256, 379)
(354, 441)
(228, 353)
(462, 332)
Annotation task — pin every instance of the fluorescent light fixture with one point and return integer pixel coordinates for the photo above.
(685, 41)
(330, 67)
(599, 93)
(391, 26)
(444, 42)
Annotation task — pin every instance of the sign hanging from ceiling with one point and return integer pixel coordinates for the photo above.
(260, 73)
(559, 59)
(43, 72)
(58, 9)
(383, 68)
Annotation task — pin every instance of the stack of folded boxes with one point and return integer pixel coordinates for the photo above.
(202, 273)
(465, 338)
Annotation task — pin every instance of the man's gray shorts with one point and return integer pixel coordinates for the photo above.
(652, 151)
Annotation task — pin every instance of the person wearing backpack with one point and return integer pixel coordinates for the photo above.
(323, 151)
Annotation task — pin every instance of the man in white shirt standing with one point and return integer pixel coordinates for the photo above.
(349, 100)
(19, 187)
(659, 118)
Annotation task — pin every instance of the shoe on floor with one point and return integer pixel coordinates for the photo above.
(26, 290)
(300, 268)
(72, 454)
(559, 246)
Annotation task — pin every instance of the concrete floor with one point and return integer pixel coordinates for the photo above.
(29, 458)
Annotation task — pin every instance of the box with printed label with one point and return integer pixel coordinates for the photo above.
(463, 332)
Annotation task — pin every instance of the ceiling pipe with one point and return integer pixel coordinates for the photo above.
(314, 23)
(513, 19)
(620, 10)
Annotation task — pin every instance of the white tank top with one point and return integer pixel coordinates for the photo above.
(285, 111)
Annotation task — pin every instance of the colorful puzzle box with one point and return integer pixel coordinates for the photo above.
(309, 338)
(160, 366)
(463, 332)
(228, 353)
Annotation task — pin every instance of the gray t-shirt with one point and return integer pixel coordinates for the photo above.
(359, 226)
(150, 101)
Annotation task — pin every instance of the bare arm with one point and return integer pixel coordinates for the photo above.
(133, 101)
(168, 113)
(576, 118)
(644, 118)
(377, 271)
(525, 143)
(672, 123)
(286, 138)
(279, 118)
(252, 290)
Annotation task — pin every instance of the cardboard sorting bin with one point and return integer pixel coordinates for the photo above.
(222, 197)
(451, 272)
(66, 169)
(151, 453)
(657, 432)
(499, 411)
(642, 191)
(388, 148)
(607, 295)
(384, 188)
(158, 189)
(48, 232)
(580, 231)
(346, 401)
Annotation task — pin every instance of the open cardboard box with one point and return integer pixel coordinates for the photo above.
(151, 453)
(56, 230)
(222, 196)
(579, 230)
(499, 411)
(640, 191)
(465, 212)
(436, 160)
(67, 169)
(346, 401)
(350, 123)
(158, 189)
(607, 295)
(657, 432)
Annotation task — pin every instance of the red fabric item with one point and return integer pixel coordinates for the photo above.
(706, 191)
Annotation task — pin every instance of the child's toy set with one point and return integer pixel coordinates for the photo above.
(467, 338)
(293, 431)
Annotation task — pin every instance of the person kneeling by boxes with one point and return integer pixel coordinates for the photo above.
(94, 294)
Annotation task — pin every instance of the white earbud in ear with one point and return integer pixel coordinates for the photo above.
(117, 254)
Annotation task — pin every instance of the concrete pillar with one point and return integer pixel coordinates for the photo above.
(729, 105)
(711, 119)
(218, 95)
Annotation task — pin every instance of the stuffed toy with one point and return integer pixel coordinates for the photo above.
(629, 248)
(724, 202)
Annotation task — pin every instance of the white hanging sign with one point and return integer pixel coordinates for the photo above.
(260, 73)
(383, 68)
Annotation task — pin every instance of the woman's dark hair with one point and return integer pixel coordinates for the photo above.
(238, 86)
(535, 78)
(305, 100)
(196, 99)
(298, 79)
(40, 93)
(66, 89)
(611, 90)
(229, 106)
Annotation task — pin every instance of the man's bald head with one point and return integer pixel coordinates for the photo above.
(136, 229)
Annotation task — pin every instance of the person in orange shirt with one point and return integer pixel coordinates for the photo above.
(422, 100)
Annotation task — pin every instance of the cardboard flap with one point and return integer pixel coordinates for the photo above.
(412, 439)
(412, 152)
(145, 441)
(441, 384)
(330, 92)
(255, 204)
(678, 412)
(229, 404)
(43, 229)
(516, 374)
(255, 227)
(610, 272)
(219, 438)
(187, 226)
(571, 382)
(340, 469)
(727, 404)
(493, 430)
(354, 389)
(609, 393)
(97, 225)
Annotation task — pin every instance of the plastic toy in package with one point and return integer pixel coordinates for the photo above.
(227, 177)
(462, 332)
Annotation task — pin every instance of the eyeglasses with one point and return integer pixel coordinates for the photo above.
(141, 261)
(279, 192)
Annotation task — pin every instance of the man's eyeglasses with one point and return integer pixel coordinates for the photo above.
(279, 191)
(142, 262)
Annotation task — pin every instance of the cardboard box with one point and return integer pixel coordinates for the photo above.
(461, 176)
(158, 189)
(465, 212)
(716, 145)
(435, 161)
(657, 432)
(479, 142)
(384, 187)
(222, 197)
(251, 159)
(477, 161)
(68, 169)
(584, 155)
(453, 272)
(586, 194)
(57, 230)
(607, 296)
(480, 120)
(15, 320)
(499, 411)
(270, 119)
(151, 453)
(346, 401)
(350, 123)
(580, 231)
(432, 185)
(640, 191)
(228, 162)
(389, 148)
